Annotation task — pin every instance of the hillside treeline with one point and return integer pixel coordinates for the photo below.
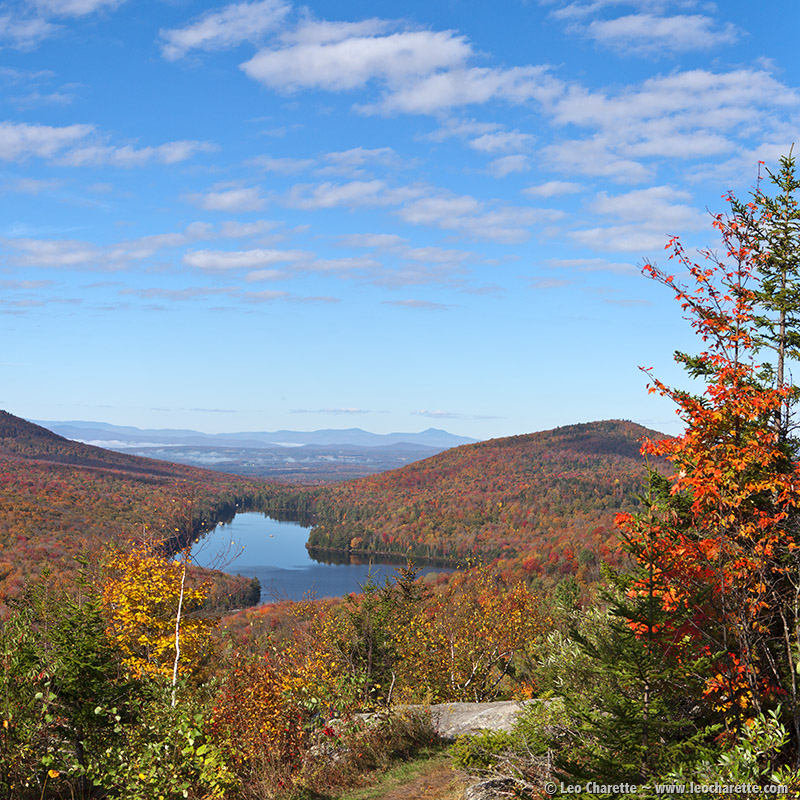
(545, 500)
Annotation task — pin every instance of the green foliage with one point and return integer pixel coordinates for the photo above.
(754, 759)
(629, 710)
(56, 669)
(481, 751)
(167, 754)
(525, 753)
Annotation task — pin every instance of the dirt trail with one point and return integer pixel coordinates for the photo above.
(439, 783)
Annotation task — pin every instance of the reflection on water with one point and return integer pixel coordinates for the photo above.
(274, 551)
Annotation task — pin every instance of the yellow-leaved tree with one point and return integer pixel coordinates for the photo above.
(146, 600)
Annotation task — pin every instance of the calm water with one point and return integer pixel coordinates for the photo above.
(275, 553)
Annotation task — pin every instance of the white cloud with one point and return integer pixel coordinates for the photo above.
(220, 260)
(353, 162)
(313, 31)
(229, 200)
(501, 142)
(442, 209)
(19, 140)
(436, 255)
(34, 186)
(622, 238)
(55, 253)
(340, 265)
(178, 294)
(501, 167)
(593, 265)
(553, 189)
(695, 98)
(285, 166)
(462, 129)
(647, 217)
(264, 275)
(315, 299)
(441, 91)
(74, 8)
(265, 296)
(219, 30)
(332, 195)
(653, 35)
(474, 219)
(378, 240)
(25, 285)
(25, 32)
(655, 206)
(71, 253)
(350, 63)
(593, 157)
(130, 156)
(239, 230)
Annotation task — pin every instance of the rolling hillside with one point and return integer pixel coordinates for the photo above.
(545, 500)
(542, 504)
(61, 501)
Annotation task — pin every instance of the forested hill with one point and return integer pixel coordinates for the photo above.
(545, 499)
(20, 439)
(62, 500)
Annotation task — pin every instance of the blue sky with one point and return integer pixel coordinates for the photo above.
(392, 216)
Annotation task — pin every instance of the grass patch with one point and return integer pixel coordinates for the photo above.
(398, 775)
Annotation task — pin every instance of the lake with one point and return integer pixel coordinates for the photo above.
(275, 552)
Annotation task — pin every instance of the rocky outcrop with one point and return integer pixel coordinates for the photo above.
(451, 720)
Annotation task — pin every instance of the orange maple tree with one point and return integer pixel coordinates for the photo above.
(717, 550)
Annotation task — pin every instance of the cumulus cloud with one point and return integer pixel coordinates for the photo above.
(437, 255)
(332, 195)
(221, 260)
(265, 296)
(76, 254)
(501, 142)
(181, 295)
(284, 166)
(647, 217)
(25, 32)
(229, 200)
(500, 167)
(444, 90)
(356, 161)
(74, 8)
(337, 59)
(553, 189)
(376, 240)
(81, 145)
(229, 27)
(130, 156)
(19, 140)
(239, 230)
(649, 34)
(478, 220)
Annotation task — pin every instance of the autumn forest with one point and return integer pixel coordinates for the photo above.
(643, 590)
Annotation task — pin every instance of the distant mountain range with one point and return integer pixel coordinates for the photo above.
(296, 456)
(118, 437)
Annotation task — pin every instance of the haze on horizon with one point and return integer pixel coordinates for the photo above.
(261, 215)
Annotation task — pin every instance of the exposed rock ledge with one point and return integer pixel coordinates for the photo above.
(455, 719)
